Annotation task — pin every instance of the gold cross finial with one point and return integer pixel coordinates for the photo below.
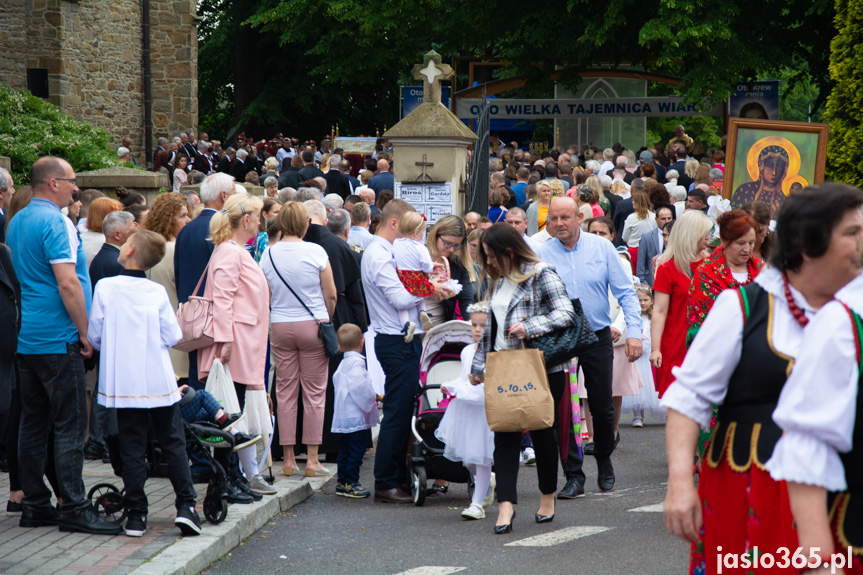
(431, 72)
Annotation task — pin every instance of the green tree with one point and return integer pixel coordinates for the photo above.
(845, 149)
(344, 59)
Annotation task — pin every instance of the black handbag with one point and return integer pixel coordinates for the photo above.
(326, 329)
(564, 344)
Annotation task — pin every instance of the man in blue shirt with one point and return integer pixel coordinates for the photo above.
(52, 345)
(589, 266)
(384, 180)
(518, 188)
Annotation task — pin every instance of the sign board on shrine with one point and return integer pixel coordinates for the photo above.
(434, 199)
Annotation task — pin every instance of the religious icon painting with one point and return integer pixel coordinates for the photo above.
(767, 160)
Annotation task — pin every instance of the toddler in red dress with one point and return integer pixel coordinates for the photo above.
(414, 264)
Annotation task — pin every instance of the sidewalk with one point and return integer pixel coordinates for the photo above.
(161, 551)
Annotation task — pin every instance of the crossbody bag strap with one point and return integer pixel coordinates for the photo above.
(200, 281)
(275, 269)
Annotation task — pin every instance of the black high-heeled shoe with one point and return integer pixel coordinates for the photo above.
(502, 529)
(544, 518)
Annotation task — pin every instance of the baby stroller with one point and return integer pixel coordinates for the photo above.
(107, 499)
(441, 362)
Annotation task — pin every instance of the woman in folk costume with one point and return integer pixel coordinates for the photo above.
(740, 360)
(820, 410)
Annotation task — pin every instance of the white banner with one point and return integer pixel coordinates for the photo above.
(593, 108)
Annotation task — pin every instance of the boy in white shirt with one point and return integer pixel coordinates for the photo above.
(355, 410)
(133, 324)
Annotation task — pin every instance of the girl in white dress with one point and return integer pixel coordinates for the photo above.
(647, 398)
(464, 428)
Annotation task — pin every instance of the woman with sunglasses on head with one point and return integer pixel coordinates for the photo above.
(447, 243)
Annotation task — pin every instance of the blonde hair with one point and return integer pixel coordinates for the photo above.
(293, 219)
(411, 222)
(557, 190)
(691, 166)
(593, 182)
(226, 220)
(683, 240)
(618, 188)
(643, 289)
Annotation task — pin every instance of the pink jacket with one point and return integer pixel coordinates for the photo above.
(240, 314)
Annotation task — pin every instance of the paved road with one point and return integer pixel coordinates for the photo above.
(616, 533)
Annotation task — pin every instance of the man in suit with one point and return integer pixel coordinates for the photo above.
(227, 160)
(193, 250)
(384, 180)
(7, 190)
(309, 171)
(200, 160)
(116, 227)
(186, 145)
(161, 146)
(345, 168)
(290, 178)
(337, 182)
(652, 244)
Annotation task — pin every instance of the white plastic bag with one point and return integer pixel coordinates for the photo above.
(221, 387)
(258, 413)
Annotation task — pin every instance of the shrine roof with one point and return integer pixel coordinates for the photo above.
(430, 120)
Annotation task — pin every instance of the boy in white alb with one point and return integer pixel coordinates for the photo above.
(133, 324)
(413, 264)
(355, 410)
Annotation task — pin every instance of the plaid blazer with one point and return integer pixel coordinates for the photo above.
(540, 302)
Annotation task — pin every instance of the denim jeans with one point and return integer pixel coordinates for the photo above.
(401, 364)
(352, 446)
(53, 393)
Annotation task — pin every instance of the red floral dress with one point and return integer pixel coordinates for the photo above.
(711, 278)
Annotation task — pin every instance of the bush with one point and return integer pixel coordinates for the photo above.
(845, 148)
(31, 128)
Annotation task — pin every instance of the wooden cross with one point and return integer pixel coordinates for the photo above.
(425, 164)
(431, 72)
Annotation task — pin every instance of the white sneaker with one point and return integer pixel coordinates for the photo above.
(529, 456)
(425, 320)
(409, 329)
(637, 422)
(473, 512)
(489, 498)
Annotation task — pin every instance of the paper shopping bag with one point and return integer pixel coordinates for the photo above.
(517, 396)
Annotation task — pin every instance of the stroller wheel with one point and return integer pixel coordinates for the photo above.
(471, 485)
(107, 501)
(419, 479)
(215, 508)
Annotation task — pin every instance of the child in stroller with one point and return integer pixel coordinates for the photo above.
(432, 456)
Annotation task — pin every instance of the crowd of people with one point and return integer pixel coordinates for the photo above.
(698, 314)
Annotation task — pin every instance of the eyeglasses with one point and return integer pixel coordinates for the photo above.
(73, 180)
(450, 245)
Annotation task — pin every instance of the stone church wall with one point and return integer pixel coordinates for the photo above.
(92, 50)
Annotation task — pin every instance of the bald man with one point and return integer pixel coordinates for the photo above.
(384, 180)
(470, 221)
(589, 267)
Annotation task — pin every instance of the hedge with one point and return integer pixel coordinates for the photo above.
(31, 128)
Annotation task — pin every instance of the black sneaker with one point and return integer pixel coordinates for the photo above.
(354, 491)
(188, 521)
(85, 520)
(242, 485)
(13, 508)
(243, 440)
(136, 526)
(38, 516)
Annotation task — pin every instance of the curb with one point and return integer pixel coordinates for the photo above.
(191, 555)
